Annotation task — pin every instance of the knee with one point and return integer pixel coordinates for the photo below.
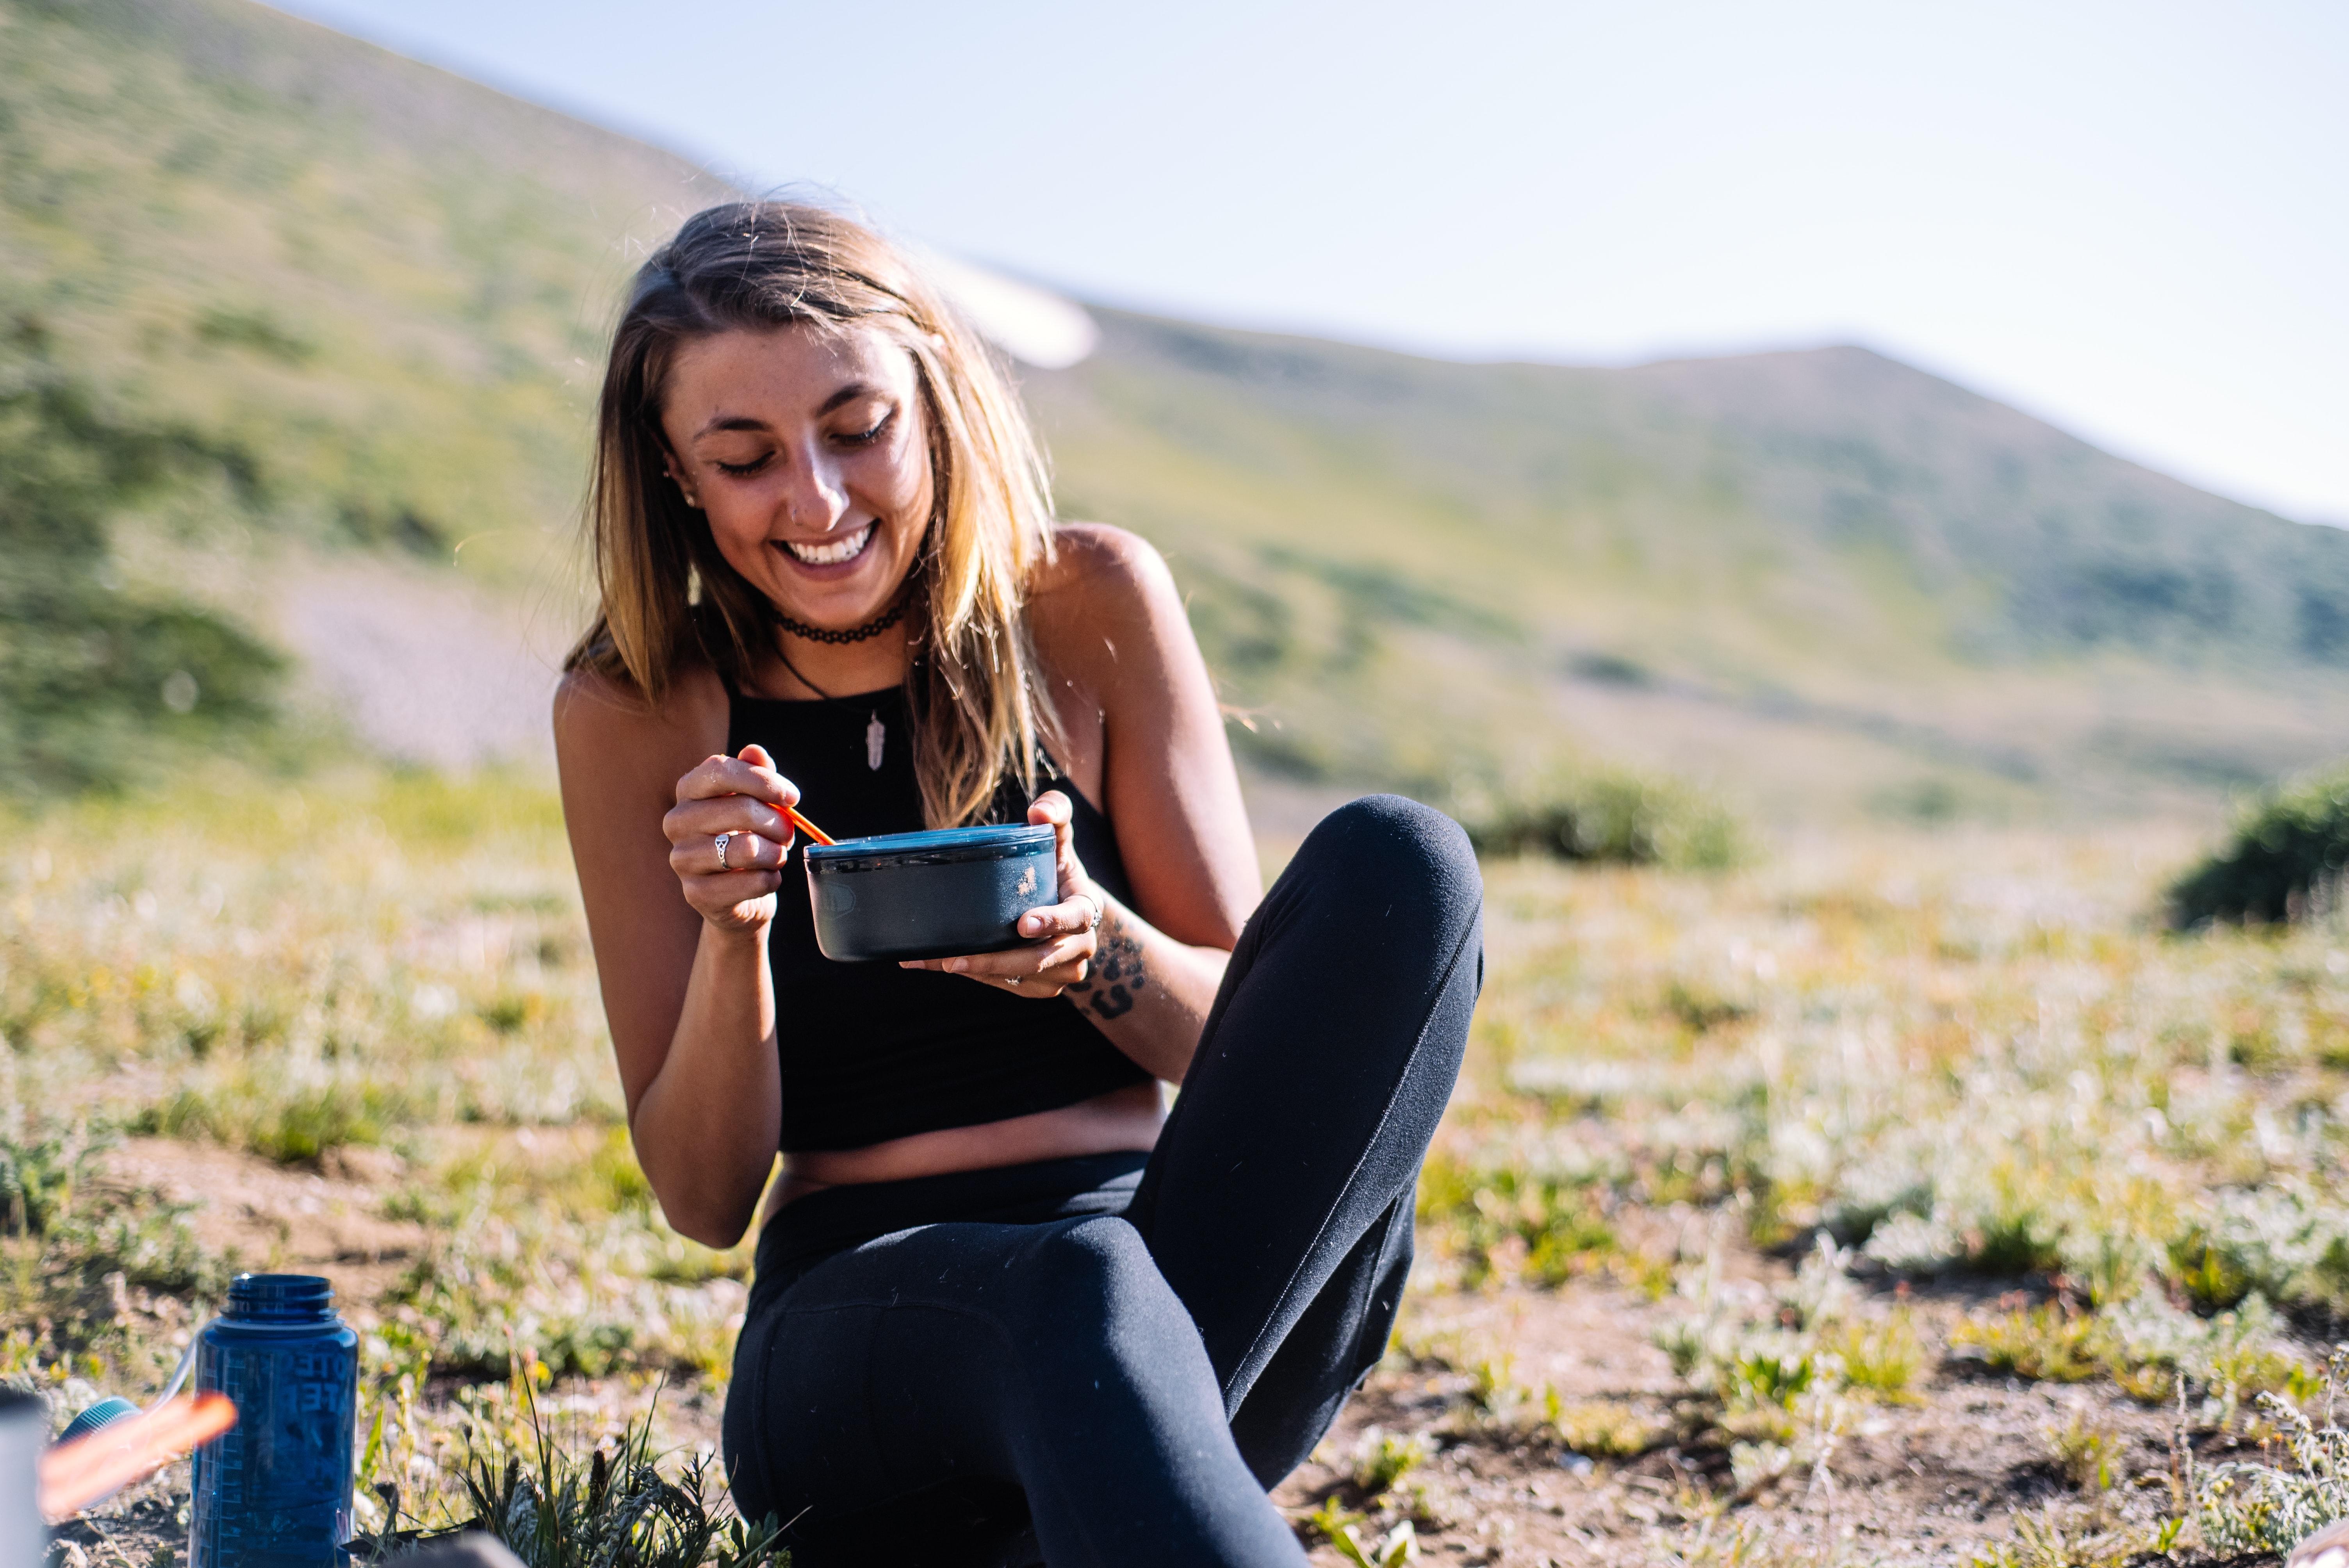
(1092, 1266)
(1093, 1290)
(1381, 845)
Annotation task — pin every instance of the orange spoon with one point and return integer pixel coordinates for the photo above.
(810, 829)
(89, 1470)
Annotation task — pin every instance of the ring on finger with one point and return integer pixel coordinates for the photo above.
(722, 840)
(1095, 905)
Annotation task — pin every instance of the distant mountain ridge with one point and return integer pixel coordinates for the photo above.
(1827, 539)
(1819, 579)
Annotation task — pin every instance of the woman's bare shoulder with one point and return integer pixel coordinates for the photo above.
(1097, 554)
(605, 728)
(1103, 584)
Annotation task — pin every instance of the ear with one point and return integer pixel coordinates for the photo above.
(669, 466)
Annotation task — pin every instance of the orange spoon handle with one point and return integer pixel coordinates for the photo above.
(810, 829)
(89, 1470)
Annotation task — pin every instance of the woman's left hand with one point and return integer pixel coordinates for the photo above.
(1064, 933)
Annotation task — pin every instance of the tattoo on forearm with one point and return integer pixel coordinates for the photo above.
(1117, 975)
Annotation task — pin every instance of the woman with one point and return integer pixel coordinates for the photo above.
(998, 1289)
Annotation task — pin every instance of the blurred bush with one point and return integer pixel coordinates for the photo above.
(96, 676)
(2283, 861)
(1605, 816)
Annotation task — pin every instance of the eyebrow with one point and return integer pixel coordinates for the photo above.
(848, 394)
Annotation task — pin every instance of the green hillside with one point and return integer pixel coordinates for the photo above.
(1855, 575)
(348, 303)
(381, 282)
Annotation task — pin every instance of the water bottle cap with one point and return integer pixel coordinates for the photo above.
(280, 1299)
(105, 1413)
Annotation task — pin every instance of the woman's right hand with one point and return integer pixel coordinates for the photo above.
(743, 797)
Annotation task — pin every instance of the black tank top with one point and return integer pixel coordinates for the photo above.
(871, 1051)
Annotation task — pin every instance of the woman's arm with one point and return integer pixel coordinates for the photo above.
(1143, 736)
(685, 979)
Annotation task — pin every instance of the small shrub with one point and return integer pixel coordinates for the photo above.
(1601, 1428)
(1701, 1010)
(150, 1242)
(509, 1012)
(2012, 1243)
(2047, 1540)
(306, 1126)
(1385, 1460)
(40, 1166)
(2209, 1276)
(1606, 817)
(1332, 1520)
(1881, 1359)
(2283, 861)
(1493, 1387)
(1336, 1525)
(2087, 1452)
(1758, 1378)
(2243, 1507)
(2049, 1344)
(291, 1126)
(1506, 1221)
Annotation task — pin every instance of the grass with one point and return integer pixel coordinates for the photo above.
(341, 961)
(360, 962)
(554, 1509)
(1857, 1048)
(1601, 1428)
(1892, 1058)
(1386, 1458)
(1883, 1359)
(2052, 1343)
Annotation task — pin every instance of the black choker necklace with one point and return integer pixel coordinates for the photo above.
(872, 628)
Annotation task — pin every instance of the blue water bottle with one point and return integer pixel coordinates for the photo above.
(275, 1490)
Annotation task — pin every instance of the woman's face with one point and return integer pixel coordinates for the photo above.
(807, 452)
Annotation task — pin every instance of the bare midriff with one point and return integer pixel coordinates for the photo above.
(1124, 1119)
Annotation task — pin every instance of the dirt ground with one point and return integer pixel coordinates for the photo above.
(1931, 1481)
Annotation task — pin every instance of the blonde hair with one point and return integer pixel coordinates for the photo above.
(670, 598)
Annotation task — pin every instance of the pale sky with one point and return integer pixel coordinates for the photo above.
(2129, 217)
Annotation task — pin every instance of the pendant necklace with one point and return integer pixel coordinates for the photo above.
(876, 734)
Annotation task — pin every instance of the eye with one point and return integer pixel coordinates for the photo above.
(738, 469)
(866, 438)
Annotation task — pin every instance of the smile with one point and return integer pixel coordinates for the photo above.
(831, 552)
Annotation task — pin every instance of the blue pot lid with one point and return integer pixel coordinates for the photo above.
(1013, 837)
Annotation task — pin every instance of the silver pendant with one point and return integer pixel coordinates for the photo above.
(877, 735)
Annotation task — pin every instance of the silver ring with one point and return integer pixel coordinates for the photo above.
(1098, 911)
(721, 842)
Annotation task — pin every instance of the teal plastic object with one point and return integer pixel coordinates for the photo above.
(934, 894)
(105, 1413)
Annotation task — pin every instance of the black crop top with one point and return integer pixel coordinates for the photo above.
(871, 1051)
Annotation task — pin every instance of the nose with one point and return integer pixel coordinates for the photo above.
(815, 498)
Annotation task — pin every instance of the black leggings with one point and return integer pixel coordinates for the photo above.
(1123, 1351)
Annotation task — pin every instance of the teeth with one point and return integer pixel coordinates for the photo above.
(845, 548)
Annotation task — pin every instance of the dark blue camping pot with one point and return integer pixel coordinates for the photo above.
(275, 1490)
(936, 894)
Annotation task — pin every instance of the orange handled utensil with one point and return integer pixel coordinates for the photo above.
(810, 829)
(89, 1470)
